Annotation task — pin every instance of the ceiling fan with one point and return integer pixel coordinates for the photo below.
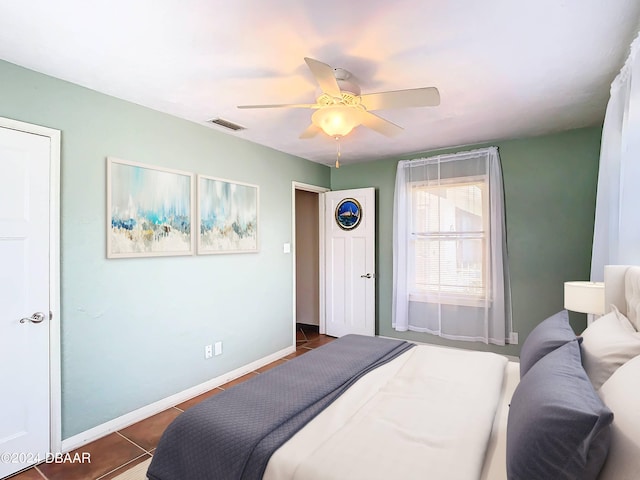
(341, 107)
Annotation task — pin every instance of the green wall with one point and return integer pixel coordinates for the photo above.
(134, 330)
(550, 186)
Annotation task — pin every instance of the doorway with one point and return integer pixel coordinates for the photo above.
(335, 282)
(308, 271)
(307, 259)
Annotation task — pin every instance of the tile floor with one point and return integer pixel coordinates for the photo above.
(117, 452)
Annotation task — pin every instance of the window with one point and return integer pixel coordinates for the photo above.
(450, 269)
(448, 240)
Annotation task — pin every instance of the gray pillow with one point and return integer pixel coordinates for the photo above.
(558, 427)
(550, 334)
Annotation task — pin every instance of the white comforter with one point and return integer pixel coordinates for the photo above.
(427, 414)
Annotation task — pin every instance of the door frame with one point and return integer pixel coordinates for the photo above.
(319, 190)
(55, 404)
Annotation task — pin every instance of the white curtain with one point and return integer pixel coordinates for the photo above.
(616, 236)
(457, 304)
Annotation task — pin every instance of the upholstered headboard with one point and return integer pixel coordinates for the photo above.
(622, 289)
(632, 293)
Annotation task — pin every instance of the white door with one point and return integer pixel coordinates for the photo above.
(350, 283)
(24, 299)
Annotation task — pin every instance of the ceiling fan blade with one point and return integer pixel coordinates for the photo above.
(310, 132)
(282, 105)
(416, 97)
(325, 76)
(380, 125)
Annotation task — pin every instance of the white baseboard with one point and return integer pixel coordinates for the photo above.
(147, 411)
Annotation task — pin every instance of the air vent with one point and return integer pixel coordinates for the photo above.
(227, 124)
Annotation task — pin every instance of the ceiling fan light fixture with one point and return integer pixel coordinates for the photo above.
(337, 120)
(341, 107)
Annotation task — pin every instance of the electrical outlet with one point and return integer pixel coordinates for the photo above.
(513, 340)
(208, 351)
(218, 348)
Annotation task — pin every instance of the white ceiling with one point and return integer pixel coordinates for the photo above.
(504, 68)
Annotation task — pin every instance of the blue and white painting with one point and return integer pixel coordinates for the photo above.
(228, 216)
(150, 210)
(348, 213)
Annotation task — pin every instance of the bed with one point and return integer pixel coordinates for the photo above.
(379, 408)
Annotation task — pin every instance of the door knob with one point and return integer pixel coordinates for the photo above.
(367, 275)
(35, 318)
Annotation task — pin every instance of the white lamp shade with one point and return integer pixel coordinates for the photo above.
(584, 297)
(337, 120)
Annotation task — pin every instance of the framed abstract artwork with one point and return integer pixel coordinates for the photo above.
(149, 210)
(227, 216)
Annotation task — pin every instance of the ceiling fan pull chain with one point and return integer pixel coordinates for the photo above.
(338, 152)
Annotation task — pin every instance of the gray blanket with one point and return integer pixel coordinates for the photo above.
(232, 435)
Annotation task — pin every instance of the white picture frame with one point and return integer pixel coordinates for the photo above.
(149, 210)
(227, 216)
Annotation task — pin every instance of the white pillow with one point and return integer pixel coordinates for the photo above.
(608, 343)
(621, 393)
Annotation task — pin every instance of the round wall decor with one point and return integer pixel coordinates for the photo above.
(348, 214)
